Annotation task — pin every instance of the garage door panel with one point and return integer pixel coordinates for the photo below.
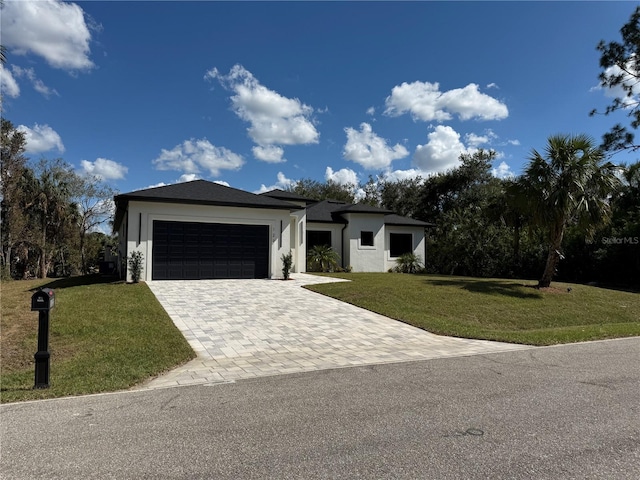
(192, 250)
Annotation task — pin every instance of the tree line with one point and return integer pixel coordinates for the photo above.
(571, 216)
(49, 214)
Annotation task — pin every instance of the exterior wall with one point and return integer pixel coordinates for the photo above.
(336, 236)
(140, 217)
(364, 258)
(419, 243)
(298, 239)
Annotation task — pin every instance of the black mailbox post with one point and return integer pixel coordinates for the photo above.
(43, 301)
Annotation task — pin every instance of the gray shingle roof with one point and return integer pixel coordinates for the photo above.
(204, 192)
(363, 208)
(325, 212)
(284, 195)
(394, 219)
(330, 211)
(199, 192)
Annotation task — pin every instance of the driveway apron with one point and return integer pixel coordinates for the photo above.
(252, 328)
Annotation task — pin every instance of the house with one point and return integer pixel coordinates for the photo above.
(203, 230)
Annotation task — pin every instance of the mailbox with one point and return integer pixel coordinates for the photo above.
(43, 299)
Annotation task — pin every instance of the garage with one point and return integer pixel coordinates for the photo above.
(197, 250)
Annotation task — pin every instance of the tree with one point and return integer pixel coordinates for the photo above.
(95, 207)
(570, 184)
(402, 196)
(324, 191)
(323, 257)
(55, 215)
(620, 62)
(12, 168)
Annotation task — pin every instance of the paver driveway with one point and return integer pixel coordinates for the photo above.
(251, 328)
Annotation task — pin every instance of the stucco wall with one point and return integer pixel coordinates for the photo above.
(418, 243)
(142, 214)
(363, 258)
(298, 239)
(336, 235)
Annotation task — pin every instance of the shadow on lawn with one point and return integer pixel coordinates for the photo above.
(488, 287)
(69, 282)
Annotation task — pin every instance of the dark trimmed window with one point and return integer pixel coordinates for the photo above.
(366, 239)
(318, 237)
(400, 243)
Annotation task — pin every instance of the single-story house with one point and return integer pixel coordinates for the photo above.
(203, 230)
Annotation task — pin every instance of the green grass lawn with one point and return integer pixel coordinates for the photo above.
(493, 309)
(104, 336)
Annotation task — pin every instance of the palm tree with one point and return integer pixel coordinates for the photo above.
(323, 257)
(570, 184)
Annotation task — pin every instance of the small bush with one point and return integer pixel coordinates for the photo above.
(323, 258)
(408, 263)
(135, 266)
(287, 264)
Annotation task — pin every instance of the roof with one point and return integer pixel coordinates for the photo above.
(284, 195)
(325, 212)
(394, 219)
(330, 211)
(198, 192)
(362, 208)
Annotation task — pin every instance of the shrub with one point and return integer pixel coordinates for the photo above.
(287, 264)
(135, 266)
(408, 263)
(323, 258)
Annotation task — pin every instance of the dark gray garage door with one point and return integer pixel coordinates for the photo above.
(193, 250)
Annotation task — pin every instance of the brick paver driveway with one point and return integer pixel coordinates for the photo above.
(251, 328)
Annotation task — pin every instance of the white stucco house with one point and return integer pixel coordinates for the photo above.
(203, 230)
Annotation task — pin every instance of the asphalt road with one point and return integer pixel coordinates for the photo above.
(559, 412)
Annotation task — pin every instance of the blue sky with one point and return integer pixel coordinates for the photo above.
(259, 95)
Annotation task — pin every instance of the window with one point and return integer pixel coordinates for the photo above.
(400, 243)
(366, 239)
(318, 237)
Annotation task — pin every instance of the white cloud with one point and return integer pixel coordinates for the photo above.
(41, 138)
(282, 183)
(187, 177)
(51, 29)
(343, 176)
(8, 84)
(441, 152)
(222, 182)
(424, 101)
(156, 185)
(371, 111)
(273, 118)
(369, 150)
(104, 169)
(269, 154)
(503, 171)
(514, 142)
(193, 155)
(629, 81)
(474, 140)
(38, 84)
(493, 85)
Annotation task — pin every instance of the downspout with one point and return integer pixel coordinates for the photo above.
(425, 247)
(342, 245)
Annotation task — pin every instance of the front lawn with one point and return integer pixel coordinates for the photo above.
(493, 309)
(104, 336)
